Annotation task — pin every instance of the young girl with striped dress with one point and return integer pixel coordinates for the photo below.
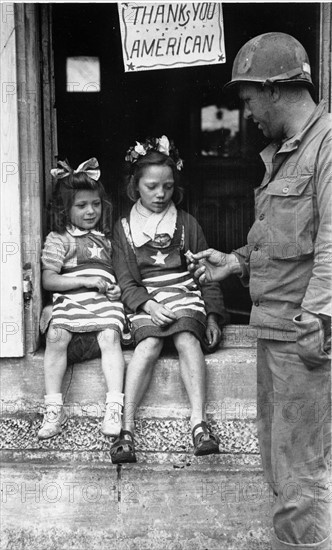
(159, 294)
(77, 269)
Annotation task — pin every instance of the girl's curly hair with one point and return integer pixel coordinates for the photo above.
(63, 199)
(152, 158)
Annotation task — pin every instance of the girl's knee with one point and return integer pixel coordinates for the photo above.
(58, 337)
(108, 339)
(186, 341)
(151, 347)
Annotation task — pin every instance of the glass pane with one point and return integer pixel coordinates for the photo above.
(83, 74)
(220, 131)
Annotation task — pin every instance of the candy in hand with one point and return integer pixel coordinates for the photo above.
(190, 257)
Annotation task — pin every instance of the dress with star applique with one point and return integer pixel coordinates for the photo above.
(157, 270)
(77, 253)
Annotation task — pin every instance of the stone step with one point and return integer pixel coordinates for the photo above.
(230, 392)
(162, 420)
(65, 493)
(157, 440)
(89, 506)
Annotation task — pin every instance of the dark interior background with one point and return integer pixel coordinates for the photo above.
(131, 106)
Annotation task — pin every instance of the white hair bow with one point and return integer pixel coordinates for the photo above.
(89, 167)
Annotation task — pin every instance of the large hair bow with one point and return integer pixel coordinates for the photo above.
(89, 167)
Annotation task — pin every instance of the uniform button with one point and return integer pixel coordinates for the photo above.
(256, 248)
(285, 190)
(256, 303)
(261, 217)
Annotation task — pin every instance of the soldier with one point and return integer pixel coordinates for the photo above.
(287, 265)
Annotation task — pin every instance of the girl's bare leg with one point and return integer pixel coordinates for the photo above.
(192, 369)
(112, 360)
(55, 359)
(113, 365)
(55, 364)
(138, 377)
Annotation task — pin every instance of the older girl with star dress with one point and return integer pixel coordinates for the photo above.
(77, 269)
(161, 297)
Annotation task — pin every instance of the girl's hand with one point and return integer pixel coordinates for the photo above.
(113, 292)
(212, 333)
(96, 282)
(161, 315)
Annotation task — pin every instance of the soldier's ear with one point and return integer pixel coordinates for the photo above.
(273, 90)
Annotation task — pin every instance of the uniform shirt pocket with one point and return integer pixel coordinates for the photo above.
(290, 218)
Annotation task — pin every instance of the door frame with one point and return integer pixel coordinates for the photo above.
(12, 320)
(28, 132)
(29, 147)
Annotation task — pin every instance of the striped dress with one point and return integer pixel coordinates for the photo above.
(82, 253)
(165, 276)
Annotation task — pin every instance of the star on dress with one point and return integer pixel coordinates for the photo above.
(160, 258)
(95, 251)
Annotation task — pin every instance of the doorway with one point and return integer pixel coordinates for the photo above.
(221, 162)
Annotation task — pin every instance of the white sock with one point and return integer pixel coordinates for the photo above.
(53, 399)
(115, 397)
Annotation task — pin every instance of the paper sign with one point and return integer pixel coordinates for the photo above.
(170, 35)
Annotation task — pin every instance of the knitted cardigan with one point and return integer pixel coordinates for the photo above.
(134, 293)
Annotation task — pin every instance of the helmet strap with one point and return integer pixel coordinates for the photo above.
(284, 76)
